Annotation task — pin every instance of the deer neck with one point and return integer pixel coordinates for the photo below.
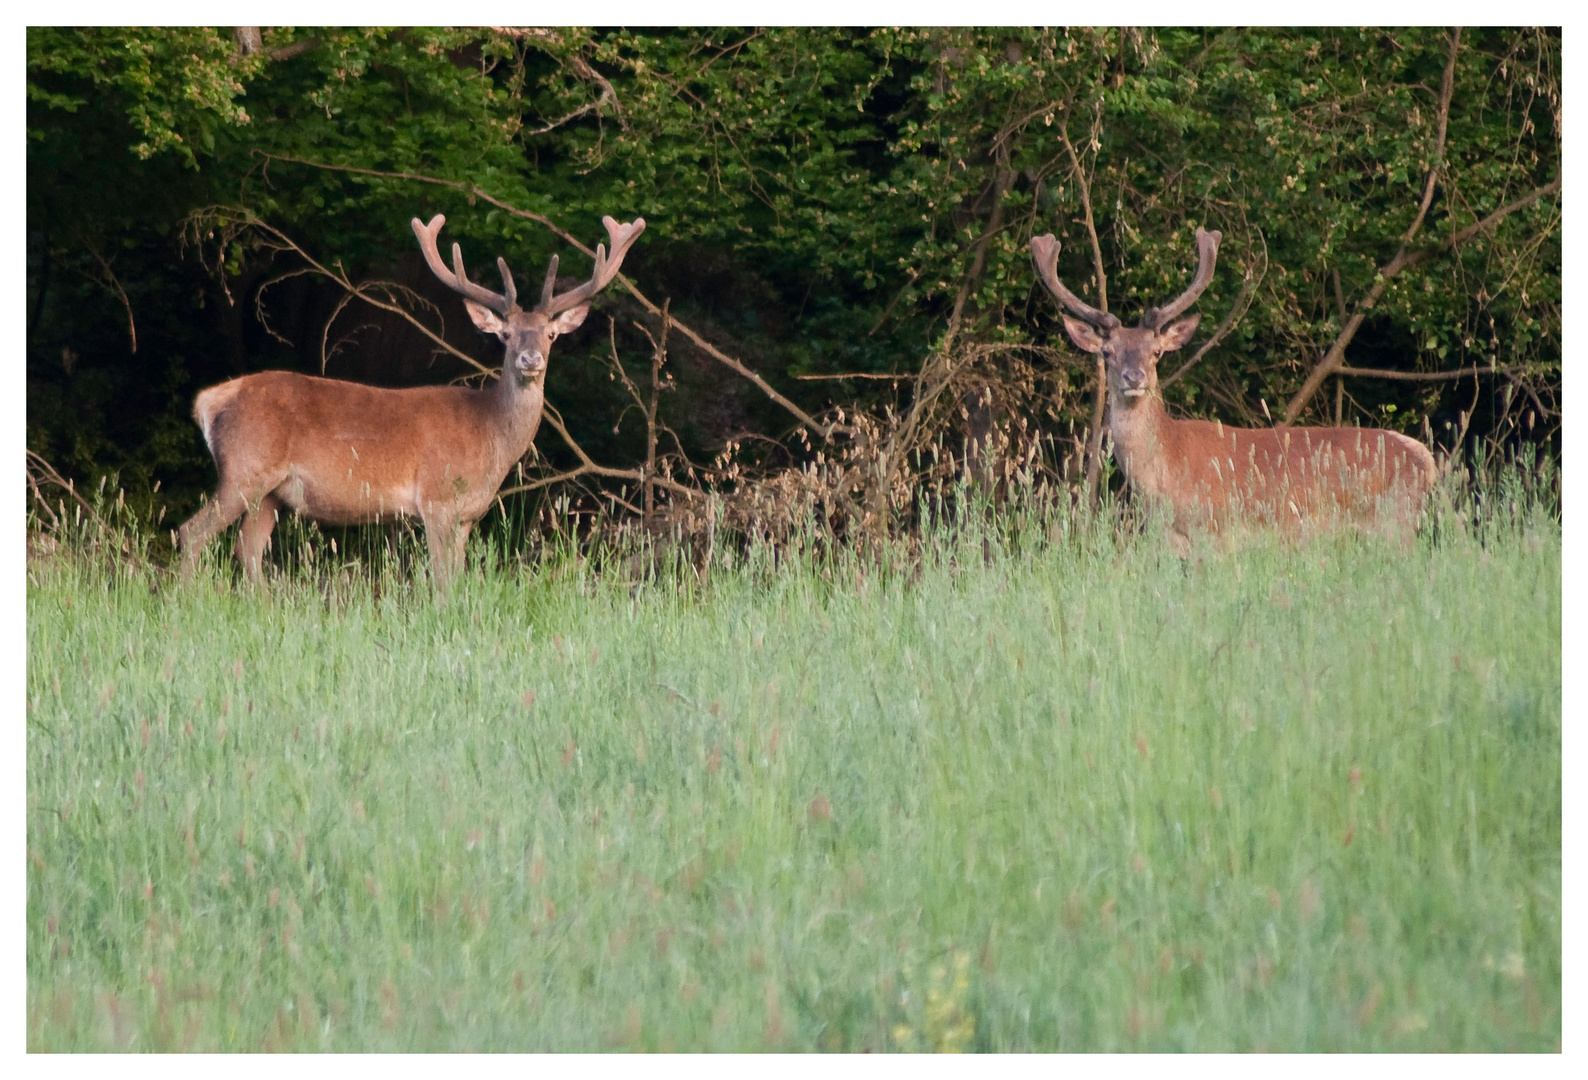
(1140, 427)
(517, 404)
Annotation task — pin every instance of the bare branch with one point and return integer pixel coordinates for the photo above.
(1084, 184)
(41, 472)
(914, 273)
(1424, 376)
(607, 96)
(587, 466)
(1094, 438)
(297, 48)
(110, 282)
(277, 240)
(856, 375)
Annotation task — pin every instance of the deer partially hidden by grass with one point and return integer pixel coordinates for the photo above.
(344, 453)
(1213, 476)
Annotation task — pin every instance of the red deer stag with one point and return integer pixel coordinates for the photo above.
(345, 453)
(1209, 473)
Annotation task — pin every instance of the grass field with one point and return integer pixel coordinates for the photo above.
(1047, 788)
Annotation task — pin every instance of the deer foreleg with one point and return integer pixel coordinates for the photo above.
(460, 539)
(446, 537)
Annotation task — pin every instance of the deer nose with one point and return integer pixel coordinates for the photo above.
(531, 360)
(1133, 380)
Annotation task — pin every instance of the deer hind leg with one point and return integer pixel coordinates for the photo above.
(197, 531)
(254, 537)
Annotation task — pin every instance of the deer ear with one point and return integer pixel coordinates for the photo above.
(572, 319)
(1175, 335)
(485, 318)
(1085, 335)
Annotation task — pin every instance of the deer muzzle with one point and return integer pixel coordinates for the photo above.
(531, 361)
(1132, 382)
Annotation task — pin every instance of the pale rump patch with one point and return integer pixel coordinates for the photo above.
(209, 404)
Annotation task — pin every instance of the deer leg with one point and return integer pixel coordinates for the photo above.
(254, 537)
(459, 542)
(1180, 520)
(197, 531)
(445, 536)
(1400, 519)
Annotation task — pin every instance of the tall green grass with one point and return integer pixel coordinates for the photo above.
(1034, 784)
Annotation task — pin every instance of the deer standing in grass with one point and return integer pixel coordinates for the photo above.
(344, 453)
(1211, 474)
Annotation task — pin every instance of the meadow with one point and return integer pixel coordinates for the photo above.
(1032, 784)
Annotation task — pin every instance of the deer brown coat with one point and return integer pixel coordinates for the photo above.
(344, 453)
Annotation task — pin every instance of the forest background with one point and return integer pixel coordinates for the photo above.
(834, 294)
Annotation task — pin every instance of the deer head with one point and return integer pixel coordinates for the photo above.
(1130, 353)
(527, 335)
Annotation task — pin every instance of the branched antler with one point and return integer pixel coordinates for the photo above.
(457, 279)
(1207, 255)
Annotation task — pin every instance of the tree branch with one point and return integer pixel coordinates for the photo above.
(587, 466)
(297, 48)
(1094, 437)
(1336, 354)
(110, 282)
(607, 95)
(251, 40)
(1424, 376)
(1335, 357)
(280, 241)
